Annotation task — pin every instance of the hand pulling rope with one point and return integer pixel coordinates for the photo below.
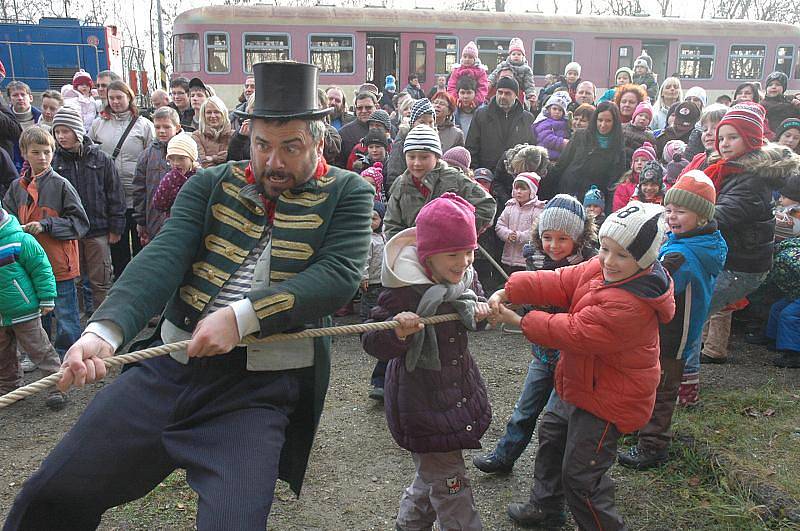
(117, 361)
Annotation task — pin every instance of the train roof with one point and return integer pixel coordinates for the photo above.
(430, 20)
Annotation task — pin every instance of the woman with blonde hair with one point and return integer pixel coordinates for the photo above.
(214, 132)
(670, 92)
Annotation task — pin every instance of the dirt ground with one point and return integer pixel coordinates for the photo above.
(357, 472)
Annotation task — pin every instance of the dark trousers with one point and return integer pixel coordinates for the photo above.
(127, 247)
(656, 435)
(224, 425)
(576, 449)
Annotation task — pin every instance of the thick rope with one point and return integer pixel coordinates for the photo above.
(493, 262)
(139, 355)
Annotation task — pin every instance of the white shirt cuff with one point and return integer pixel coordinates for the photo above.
(246, 319)
(108, 331)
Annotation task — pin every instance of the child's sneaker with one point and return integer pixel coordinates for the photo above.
(788, 360)
(639, 459)
(689, 393)
(376, 393)
(27, 364)
(56, 400)
(531, 515)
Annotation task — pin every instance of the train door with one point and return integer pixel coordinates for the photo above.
(622, 54)
(659, 52)
(383, 57)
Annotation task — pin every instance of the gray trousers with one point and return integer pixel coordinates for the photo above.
(31, 338)
(440, 491)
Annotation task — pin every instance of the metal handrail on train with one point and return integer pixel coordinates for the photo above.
(30, 43)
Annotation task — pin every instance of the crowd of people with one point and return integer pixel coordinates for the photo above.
(630, 225)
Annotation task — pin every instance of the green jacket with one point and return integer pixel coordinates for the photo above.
(26, 278)
(320, 238)
(405, 200)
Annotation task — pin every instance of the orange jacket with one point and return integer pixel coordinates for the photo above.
(608, 340)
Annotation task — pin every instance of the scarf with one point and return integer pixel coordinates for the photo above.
(603, 140)
(421, 187)
(721, 170)
(269, 203)
(537, 260)
(423, 350)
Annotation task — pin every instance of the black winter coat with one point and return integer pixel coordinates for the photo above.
(744, 207)
(779, 109)
(582, 164)
(9, 130)
(493, 131)
(8, 172)
(94, 176)
(351, 134)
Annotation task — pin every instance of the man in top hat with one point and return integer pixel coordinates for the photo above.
(273, 245)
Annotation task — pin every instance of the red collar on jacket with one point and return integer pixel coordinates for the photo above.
(269, 204)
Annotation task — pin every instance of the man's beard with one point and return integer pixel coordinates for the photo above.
(262, 180)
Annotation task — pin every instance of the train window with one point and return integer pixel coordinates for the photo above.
(333, 54)
(186, 52)
(417, 60)
(492, 51)
(696, 61)
(746, 61)
(446, 54)
(260, 47)
(625, 57)
(783, 59)
(217, 53)
(551, 56)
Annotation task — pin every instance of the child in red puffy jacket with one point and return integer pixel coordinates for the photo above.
(608, 372)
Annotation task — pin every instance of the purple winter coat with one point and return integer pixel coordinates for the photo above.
(551, 134)
(429, 411)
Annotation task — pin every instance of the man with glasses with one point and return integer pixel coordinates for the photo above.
(179, 90)
(104, 77)
(352, 133)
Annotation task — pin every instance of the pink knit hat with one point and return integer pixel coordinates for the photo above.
(459, 157)
(445, 225)
(643, 107)
(646, 150)
(375, 172)
(81, 77)
(470, 49)
(672, 148)
(516, 45)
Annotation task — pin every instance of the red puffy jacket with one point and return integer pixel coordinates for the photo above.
(609, 339)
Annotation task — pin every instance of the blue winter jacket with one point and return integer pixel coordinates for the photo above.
(694, 259)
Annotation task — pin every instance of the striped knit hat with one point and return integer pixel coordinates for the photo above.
(789, 123)
(594, 197)
(420, 107)
(531, 180)
(748, 120)
(70, 117)
(646, 150)
(695, 191)
(564, 213)
(423, 138)
(637, 229)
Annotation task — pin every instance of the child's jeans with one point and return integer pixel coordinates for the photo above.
(784, 324)
(535, 394)
(31, 338)
(440, 491)
(68, 322)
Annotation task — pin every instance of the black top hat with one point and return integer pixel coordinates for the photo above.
(285, 90)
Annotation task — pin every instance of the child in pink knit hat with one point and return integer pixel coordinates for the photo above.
(637, 132)
(435, 398)
(374, 176)
(518, 64)
(471, 66)
(626, 187)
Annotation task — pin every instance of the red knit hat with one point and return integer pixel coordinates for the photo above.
(531, 180)
(81, 77)
(445, 225)
(748, 120)
(646, 150)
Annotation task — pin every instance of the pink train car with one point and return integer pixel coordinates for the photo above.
(221, 43)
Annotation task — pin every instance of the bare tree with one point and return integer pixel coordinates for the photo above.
(665, 7)
(499, 5)
(620, 7)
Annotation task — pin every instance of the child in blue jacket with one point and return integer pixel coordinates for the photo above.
(694, 254)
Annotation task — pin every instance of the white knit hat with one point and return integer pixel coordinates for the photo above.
(422, 138)
(183, 144)
(637, 228)
(574, 65)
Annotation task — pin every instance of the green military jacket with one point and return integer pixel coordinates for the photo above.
(320, 238)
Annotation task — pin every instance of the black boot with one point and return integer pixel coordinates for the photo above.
(788, 360)
(531, 515)
(639, 459)
(490, 464)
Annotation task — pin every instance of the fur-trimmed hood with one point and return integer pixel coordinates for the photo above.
(772, 162)
(587, 240)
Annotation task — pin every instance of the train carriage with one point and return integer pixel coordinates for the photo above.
(221, 43)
